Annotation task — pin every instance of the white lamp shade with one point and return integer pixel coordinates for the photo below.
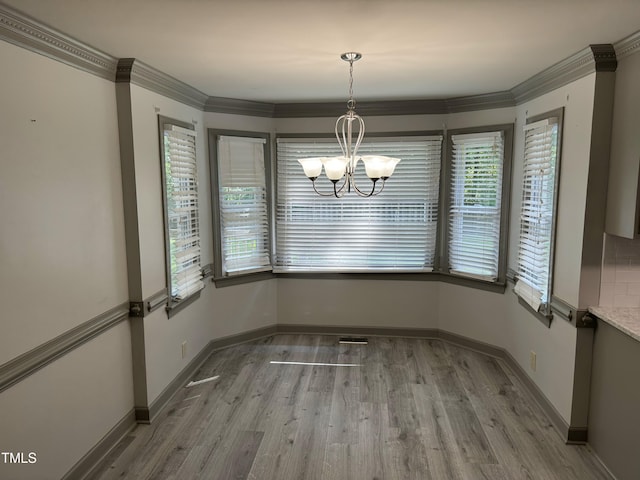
(378, 166)
(335, 167)
(312, 166)
(390, 166)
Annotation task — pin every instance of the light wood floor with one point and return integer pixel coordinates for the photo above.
(412, 409)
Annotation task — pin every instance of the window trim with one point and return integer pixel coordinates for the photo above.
(221, 280)
(173, 306)
(546, 316)
(505, 203)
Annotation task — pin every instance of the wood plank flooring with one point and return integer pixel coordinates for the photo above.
(402, 409)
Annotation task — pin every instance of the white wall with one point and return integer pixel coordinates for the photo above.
(218, 312)
(555, 346)
(62, 242)
(63, 259)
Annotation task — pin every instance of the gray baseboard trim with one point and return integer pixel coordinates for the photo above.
(148, 414)
(558, 422)
(248, 336)
(471, 344)
(289, 328)
(577, 435)
(30, 362)
(87, 464)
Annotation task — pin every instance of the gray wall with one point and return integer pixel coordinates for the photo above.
(614, 416)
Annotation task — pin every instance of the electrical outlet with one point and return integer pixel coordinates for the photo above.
(184, 349)
(532, 360)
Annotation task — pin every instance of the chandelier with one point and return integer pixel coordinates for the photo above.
(341, 170)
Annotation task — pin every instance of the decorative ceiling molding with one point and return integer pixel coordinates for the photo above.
(28, 33)
(595, 58)
(20, 30)
(481, 102)
(368, 108)
(627, 46)
(134, 71)
(239, 107)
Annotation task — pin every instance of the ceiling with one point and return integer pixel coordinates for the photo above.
(289, 50)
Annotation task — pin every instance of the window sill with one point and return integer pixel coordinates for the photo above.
(544, 318)
(240, 279)
(176, 307)
(498, 287)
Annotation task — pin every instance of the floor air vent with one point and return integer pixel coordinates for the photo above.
(354, 340)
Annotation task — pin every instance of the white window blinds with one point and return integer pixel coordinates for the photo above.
(395, 230)
(535, 244)
(475, 204)
(244, 218)
(182, 222)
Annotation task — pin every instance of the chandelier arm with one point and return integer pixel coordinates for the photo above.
(360, 134)
(337, 129)
(315, 189)
(360, 192)
(337, 192)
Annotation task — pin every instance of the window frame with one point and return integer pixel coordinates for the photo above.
(174, 306)
(547, 315)
(505, 203)
(219, 278)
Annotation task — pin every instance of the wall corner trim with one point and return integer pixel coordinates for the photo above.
(28, 363)
(594, 58)
(131, 70)
(604, 57)
(23, 31)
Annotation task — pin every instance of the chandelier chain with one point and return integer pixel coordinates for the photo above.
(351, 103)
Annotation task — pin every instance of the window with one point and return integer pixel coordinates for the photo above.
(180, 192)
(478, 191)
(537, 214)
(396, 230)
(240, 172)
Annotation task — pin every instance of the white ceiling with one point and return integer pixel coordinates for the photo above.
(289, 50)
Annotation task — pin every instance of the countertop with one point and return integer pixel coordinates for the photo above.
(625, 319)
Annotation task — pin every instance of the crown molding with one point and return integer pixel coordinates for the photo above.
(25, 32)
(594, 58)
(481, 102)
(627, 46)
(239, 107)
(131, 70)
(369, 108)
(17, 28)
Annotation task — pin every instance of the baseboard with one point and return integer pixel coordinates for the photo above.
(148, 414)
(289, 328)
(558, 422)
(577, 435)
(87, 464)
